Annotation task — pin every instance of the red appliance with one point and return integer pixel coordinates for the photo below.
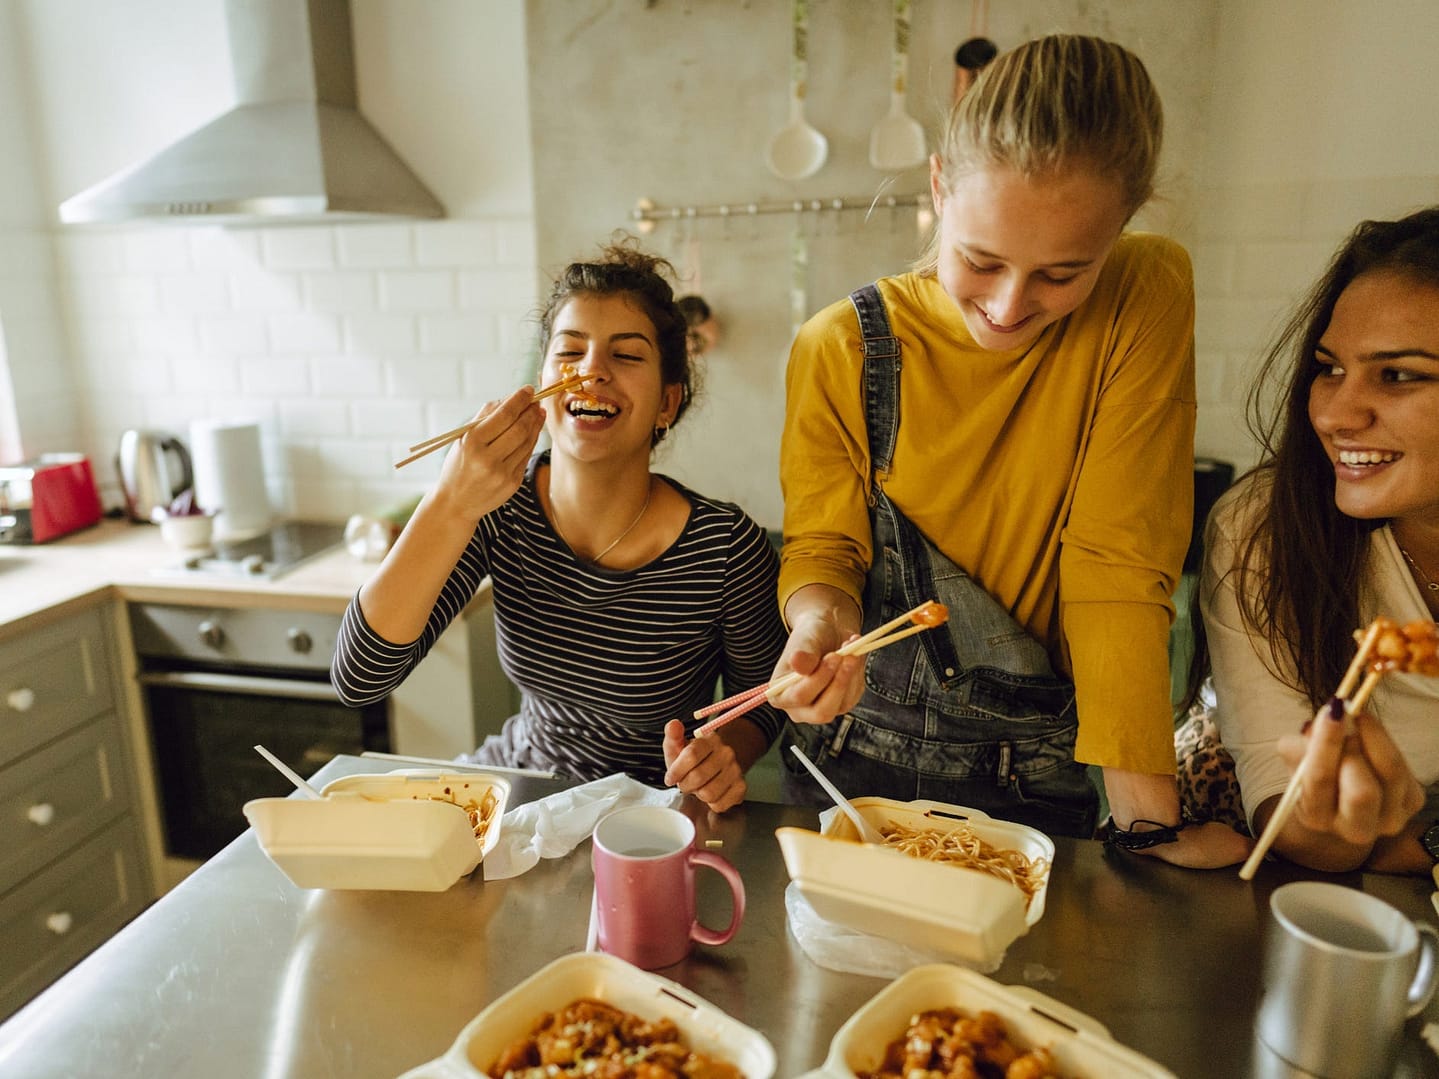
(50, 496)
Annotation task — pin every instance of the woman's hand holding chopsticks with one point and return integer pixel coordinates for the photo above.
(488, 464)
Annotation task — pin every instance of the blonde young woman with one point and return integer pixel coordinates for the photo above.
(621, 596)
(1007, 429)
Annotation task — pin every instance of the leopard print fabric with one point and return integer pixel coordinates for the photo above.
(1207, 787)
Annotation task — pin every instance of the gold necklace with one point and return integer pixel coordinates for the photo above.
(1423, 577)
(555, 523)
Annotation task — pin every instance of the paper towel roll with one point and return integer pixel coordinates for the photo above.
(230, 476)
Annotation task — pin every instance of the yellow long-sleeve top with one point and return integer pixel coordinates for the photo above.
(1060, 476)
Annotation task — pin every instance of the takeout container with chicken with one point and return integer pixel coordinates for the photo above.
(935, 905)
(594, 976)
(417, 832)
(1079, 1046)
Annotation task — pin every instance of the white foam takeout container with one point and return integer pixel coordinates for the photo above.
(1081, 1046)
(960, 912)
(597, 976)
(387, 832)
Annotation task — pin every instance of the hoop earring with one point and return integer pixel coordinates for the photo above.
(661, 429)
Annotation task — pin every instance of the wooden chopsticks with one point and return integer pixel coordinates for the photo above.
(926, 616)
(429, 445)
(1352, 706)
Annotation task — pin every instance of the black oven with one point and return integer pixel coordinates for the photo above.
(218, 681)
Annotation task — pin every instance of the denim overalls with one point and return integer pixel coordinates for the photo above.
(971, 713)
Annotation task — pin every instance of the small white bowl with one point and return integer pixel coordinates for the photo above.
(189, 533)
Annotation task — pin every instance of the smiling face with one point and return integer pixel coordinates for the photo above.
(1375, 401)
(1018, 253)
(610, 340)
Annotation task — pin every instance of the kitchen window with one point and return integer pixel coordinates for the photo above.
(9, 418)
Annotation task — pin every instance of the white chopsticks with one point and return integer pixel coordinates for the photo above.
(1352, 706)
(926, 616)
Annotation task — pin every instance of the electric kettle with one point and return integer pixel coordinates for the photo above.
(154, 468)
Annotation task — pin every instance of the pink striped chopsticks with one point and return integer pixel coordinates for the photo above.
(926, 616)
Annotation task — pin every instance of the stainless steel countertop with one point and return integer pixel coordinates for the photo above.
(238, 973)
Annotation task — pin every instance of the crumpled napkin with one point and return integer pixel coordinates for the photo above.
(559, 822)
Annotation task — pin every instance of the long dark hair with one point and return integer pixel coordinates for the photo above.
(1297, 573)
(624, 270)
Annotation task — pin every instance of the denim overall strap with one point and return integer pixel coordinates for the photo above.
(881, 383)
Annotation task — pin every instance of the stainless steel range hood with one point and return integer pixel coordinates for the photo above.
(294, 149)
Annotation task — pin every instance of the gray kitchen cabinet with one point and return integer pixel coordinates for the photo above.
(72, 867)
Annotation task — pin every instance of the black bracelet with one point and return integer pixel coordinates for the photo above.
(1160, 834)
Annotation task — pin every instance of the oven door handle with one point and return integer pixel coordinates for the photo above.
(247, 685)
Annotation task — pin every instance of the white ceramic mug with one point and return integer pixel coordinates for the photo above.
(1342, 972)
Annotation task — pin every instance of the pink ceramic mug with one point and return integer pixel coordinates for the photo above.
(645, 860)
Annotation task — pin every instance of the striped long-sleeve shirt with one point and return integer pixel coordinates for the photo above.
(603, 658)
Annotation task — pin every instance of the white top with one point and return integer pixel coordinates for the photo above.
(1255, 707)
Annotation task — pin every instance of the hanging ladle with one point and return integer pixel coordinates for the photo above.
(897, 141)
(797, 150)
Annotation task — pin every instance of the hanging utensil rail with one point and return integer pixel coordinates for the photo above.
(647, 215)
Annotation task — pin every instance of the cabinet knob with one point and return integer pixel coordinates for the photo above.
(41, 813)
(59, 922)
(21, 700)
(300, 641)
(211, 634)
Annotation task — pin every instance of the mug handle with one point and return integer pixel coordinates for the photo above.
(1425, 978)
(706, 935)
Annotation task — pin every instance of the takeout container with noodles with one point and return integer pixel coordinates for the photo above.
(596, 976)
(1081, 1046)
(965, 913)
(402, 831)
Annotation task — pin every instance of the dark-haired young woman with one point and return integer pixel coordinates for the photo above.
(620, 595)
(1339, 524)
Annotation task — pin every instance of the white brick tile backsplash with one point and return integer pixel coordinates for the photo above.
(1213, 267)
(376, 335)
(492, 378)
(194, 293)
(323, 457)
(340, 291)
(102, 333)
(204, 377)
(1279, 269)
(280, 377)
(380, 419)
(150, 250)
(174, 412)
(502, 289)
(375, 246)
(1231, 324)
(1260, 211)
(467, 333)
(454, 243)
(298, 247)
(123, 296)
(305, 332)
(166, 336)
(417, 290)
(1332, 208)
(82, 252)
(216, 248)
(312, 418)
(1209, 376)
(347, 376)
(258, 290)
(233, 336)
(427, 376)
(515, 244)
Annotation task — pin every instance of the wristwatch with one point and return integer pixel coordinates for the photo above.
(1429, 840)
